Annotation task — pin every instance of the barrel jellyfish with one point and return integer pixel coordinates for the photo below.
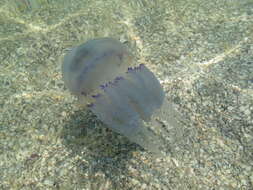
(124, 95)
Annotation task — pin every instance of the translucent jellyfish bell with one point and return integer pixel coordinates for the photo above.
(129, 100)
(94, 63)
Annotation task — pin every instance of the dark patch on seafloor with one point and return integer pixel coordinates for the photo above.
(108, 152)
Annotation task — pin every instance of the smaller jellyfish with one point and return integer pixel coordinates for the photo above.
(129, 100)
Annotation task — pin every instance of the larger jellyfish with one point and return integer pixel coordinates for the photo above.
(129, 100)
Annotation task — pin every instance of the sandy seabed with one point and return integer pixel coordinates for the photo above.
(201, 51)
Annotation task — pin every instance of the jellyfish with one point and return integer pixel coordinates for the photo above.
(127, 97)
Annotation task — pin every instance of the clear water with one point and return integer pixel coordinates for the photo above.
(201, 51)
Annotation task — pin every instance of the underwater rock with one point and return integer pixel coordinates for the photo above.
(129, 100)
